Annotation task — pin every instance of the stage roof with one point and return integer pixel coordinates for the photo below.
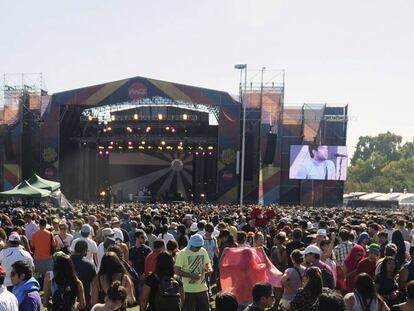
(137, 88)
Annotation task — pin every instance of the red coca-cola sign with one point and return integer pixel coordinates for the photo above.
(137, 90)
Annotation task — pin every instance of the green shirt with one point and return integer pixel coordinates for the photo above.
(193, 262)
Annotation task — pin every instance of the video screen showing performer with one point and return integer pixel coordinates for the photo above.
(318, 162)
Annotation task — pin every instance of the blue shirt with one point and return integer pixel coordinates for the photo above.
(319, 170)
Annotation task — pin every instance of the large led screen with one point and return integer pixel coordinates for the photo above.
(318, 162)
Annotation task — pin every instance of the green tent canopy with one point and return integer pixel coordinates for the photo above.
(25, 190)
(40, 183)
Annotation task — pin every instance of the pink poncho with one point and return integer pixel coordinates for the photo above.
(241, 268)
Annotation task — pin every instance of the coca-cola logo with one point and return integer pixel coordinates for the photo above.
(137, 90)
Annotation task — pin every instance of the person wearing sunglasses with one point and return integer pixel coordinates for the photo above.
(263, 297)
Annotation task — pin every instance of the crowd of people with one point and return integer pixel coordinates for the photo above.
(192, 257)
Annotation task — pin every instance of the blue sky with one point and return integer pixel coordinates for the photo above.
(359, 53)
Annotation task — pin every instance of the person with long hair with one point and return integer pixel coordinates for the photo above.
(117, 295)
(65, 280)
(397, 239)
(306, 296)
(386, 282)
(351, 261)
(111, 270)
(364, 297)
(164, 268)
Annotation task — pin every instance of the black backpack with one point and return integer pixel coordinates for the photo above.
(167, 297)
(63, 298)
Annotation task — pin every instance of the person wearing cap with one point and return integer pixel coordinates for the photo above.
(116, 224)
(8, 302)
(43, 245)
(107, 233)
(368, 264)
(192, 263)
(313, 255)
(92, 254)
(14, 252)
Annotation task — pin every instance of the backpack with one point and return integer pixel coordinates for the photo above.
(167, 296)
(62, 299)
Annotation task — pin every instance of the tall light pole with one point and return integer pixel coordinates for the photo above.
(241, 67)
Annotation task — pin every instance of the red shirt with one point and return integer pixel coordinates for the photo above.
(41, 242)
(151, 262)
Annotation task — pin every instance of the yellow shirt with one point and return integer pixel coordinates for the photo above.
(193, 262)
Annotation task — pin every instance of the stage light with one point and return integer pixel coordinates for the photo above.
(104, 130)
(135, 116)
(160, 116)
(169, 148)
(90, 118)
(130, 147)
(210, 148)
(111, 143)
(204, 153)
(110, 147)
(141, 147)
(210, 153)
(102, 193)
(159, 147)
(149, 147)
(101, 147)
(120, 147)
(185, 116)
(180, 148)
(163, 143)
(107, 152)
(200, 148)
(113, 117)
(129, 143)
(143, 142)
(100, 152)
(181, 143)
(202, 195)
(109, 129)
(196, 153)
(167, 128)
(190, 147)
(148, 129)
(129, 129)
(173, 130)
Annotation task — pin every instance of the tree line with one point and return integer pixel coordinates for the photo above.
(381, 163)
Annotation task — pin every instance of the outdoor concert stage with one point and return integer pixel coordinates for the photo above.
(150, 139)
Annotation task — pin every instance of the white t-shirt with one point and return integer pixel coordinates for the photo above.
(8, 302)
(92, 247)
(64, 242)
(9, 256)
(167, 237)
(101, 252)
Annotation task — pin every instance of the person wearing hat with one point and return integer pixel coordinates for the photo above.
(192, 263)
(108, 239)
(92, 254)
(8, 301)
(313, 255)
(368, 264)
(116, 224)
(11, 254)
